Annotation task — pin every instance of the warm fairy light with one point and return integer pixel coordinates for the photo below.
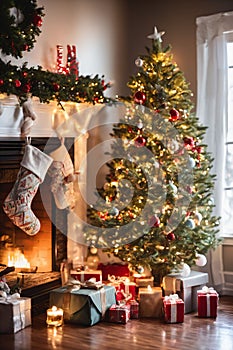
(149, 288)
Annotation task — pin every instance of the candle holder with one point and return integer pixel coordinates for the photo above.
(54, 317)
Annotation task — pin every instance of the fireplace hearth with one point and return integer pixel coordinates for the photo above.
(48, 248)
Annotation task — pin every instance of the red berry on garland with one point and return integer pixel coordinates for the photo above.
(17, 83)
(171, 236)
(174, 115)
(37, 21)
(24, 74)
(140, 141)
(1, 82)
(56, 87)
(26, 87)
(139, 97)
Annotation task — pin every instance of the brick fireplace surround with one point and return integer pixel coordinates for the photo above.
(48, 248)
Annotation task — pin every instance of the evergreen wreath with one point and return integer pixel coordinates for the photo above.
(19, 25)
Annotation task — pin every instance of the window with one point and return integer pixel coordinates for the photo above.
(227, 217)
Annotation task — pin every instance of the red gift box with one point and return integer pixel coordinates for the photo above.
(207, 302)
(134, 309)
(118, 270)
(86, 275)
(173, 308)
(119, 313)
(129, 289)
(125, 290)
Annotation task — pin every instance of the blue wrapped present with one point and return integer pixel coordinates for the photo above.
(82, 305)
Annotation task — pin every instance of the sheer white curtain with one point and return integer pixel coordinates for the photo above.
(212, 109)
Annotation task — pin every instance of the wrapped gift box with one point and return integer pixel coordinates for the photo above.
(173, 308)
(134, 309)
(185, 287)
(83, 306)
(207, 302)
(125, 289)
(150, 302)
(85, 275)
(145, 282)
(119, 313)
(15, 314)
(118, 270)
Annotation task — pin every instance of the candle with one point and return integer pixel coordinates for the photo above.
(54, 317)
(150, 301)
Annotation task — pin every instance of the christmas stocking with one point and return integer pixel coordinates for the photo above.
(17, 204)
(62, 178)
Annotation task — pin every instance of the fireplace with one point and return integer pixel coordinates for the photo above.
(43, 252)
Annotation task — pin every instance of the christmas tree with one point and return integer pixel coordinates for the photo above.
(156, 208)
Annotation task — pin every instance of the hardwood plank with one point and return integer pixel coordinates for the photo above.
(143, 334)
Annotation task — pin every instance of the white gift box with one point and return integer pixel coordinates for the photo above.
(15, 314)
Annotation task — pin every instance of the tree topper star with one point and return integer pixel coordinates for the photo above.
(156, 35)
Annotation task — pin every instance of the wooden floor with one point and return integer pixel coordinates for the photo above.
(144, 334)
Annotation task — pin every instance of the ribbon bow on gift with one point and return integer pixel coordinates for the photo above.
(207, 290)
(173, 298)
(117, 279)
(90, 284)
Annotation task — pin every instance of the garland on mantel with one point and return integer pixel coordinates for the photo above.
(27, 82)
(19, 24)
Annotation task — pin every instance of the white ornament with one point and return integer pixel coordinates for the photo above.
(185, 272)
(190, 223)
(173, 146)
(192, 162)
(197, 218)
(139, 62)
(201, 260)
(140, 124)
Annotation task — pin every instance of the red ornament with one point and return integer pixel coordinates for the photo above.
(174, 115)
(37, 21)
(171, 236)
(26, 87)
(189, 142)
(140, 141)
(139, 97)
(1, 82)
(56, 87)
(199, 149)
(17, 83)
(154, 221)
(25, 47)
